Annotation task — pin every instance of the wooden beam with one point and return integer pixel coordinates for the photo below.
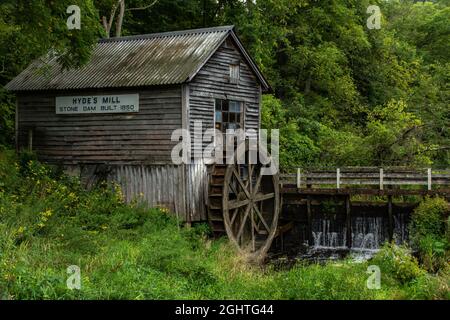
(429, 178)
(390, 219)
(185, 122)
(30, 139)
(309, 215)
(348, 221)
(338, 178)
(353, 191)
(381, 178)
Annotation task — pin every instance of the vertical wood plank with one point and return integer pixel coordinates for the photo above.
(185, 106)
(338, 178)
(298, 178)
(30, 139)
(381, 179)
(429, 179)
(348, 221)
(259, 106)
(309, 215)
(391, 219)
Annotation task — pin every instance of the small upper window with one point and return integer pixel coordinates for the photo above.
(234, 73)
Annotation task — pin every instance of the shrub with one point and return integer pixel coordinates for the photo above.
(429, 233)
(428, 219)
(430, 287)
(398, 262)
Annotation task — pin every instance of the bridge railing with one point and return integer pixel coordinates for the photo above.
(365, 177)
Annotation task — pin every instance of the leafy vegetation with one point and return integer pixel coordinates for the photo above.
(429, 230)
(343, 94)
(124, 251)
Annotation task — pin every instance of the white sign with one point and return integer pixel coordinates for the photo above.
(97, 104)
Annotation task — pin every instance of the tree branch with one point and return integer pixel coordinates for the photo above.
(143, 8)
(120, 18)
(108, 24)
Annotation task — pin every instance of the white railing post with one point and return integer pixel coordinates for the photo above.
(429, 179)
(298, 178)
(338, 178)
(381, 178)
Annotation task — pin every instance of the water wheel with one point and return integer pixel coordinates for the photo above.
(244, 204)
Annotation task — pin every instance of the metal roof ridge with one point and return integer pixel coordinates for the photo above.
(168, 34)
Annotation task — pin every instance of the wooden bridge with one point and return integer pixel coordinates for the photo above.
(391, 181)
(303, 186)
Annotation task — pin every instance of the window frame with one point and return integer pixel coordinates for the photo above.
(241, 113)
(235, 73)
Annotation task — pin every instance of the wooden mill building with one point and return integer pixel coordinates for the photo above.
(114, 117)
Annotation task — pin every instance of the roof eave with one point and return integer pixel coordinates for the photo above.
(264, 83)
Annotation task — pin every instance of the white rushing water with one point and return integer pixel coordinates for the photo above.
(368, 234)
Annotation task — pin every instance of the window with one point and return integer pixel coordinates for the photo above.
(234, 73)
(228, 115)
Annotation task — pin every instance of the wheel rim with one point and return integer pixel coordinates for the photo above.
(250, 208)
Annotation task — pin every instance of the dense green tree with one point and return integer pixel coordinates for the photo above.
(343, 94)
(31, 29)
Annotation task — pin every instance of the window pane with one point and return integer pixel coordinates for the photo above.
(218, 104)
(225, 105)
(235, 106)
(225, 117)
(218, 116)
(238, 117)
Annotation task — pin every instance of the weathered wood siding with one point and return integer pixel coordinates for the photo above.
(213, 81)
(132, 138)
(179, 188)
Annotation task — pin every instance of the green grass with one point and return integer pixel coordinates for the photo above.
(48, 222)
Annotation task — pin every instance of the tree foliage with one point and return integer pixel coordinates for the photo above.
(343, 94)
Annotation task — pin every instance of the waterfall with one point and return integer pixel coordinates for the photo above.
(368, 233)
(327, 238)
(328, 233)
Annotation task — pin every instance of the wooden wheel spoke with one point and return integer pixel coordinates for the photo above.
(241, 183)
(261, 197)
(253, 228)
(235, 214)
(258, 183)
(244, 220)
(233, 189)
(249, 180)
(261, 217)
(233, 204)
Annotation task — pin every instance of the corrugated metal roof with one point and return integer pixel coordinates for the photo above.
(154, 59)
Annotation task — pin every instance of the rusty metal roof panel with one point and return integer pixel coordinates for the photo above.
(146, 60)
